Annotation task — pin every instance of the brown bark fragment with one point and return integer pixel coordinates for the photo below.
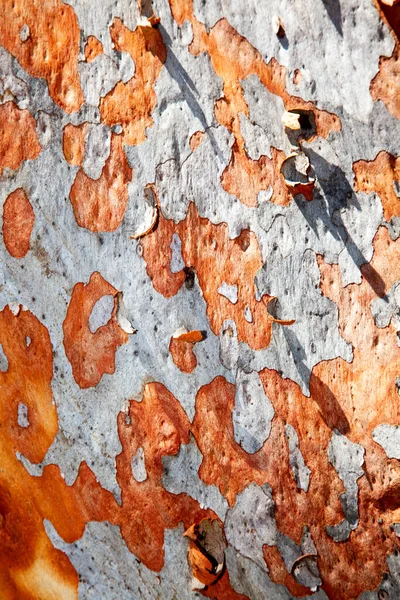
(131, 104)
(51, 49)
(379, 176)
(91, 354)
(74, 143)
(195, 140)
(29, 565)
(385, 85)
(245, 177)
(159, 425)
(93, 48)
(18, 221)
(216, 259)
(100, 205)
(225, 463)
(183, 355)
(18, 137)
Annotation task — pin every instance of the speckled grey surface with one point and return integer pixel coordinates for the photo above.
(339, 225)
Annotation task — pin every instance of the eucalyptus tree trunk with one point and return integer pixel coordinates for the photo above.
(200, 301)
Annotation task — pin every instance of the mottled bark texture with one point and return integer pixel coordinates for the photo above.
(200, 299)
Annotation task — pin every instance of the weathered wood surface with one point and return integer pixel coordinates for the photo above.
(200, 301)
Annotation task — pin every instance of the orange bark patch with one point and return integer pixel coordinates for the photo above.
(93, 48)
(18, 137)
(379, 176)
(216, 259)
(225, 463)
(196, 140)
(30, 567)
(91, 354)
(234, 59)
(51, 49)
(131, 104)
(354, 399)
(74, 143)
(385, 84)
(245, 177)
(159, 425)
(18, 221)
(100, 205)
(183, 355)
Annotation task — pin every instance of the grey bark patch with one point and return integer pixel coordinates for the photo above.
(229, 345)
(3, 360)
(97, 150)
(11, 86)
(248, 315)
(138, 466)
(101, 312)
(304, 570)
(44, 128)
(229, 291)
(300, 470)
(251, 523)
(347, 459)
(126, 66)
(386, 310)
(24, 33)
(23, 420)
(265, 113)
(177, 263)
(180, 474)
(98, 78)
(388, 436)
(257, 143)
(109, 570)
(253, 581)
(253, 412)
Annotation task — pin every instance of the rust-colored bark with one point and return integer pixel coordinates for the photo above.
(18, 221)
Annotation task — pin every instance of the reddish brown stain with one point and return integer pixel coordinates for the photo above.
(183, 355)
(93, 48)
(30, 567)
(233, 59)
(74, 143)
(18, 221)
(51, 49)
(131, 104)
(196, 140)
(18, 137)
(385, 85)
(225, 464)
(216, 258)
(100, 204)
(379, 176)
(91, 354)
(297, 77)
(159, 425)
(245, 177)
